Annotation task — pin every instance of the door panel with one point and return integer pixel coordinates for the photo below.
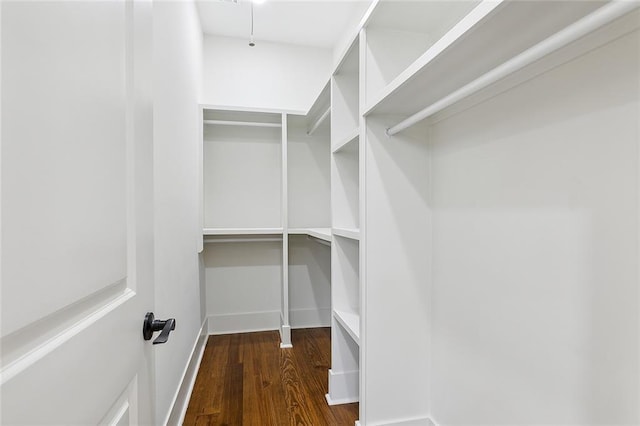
(64, 158)
(76, 212)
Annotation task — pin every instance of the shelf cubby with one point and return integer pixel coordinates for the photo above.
(346, 283)
(345, 92)
(345, 186)
(491, 28)
(399, 32)
(242, 170)
(309, 174)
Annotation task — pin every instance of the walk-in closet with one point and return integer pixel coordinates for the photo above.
(322, 213)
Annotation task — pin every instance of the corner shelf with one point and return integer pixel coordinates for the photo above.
(476, 32)
(319, 233)
(351, 233)
(242, 231)
(346, 143)
(350, 322)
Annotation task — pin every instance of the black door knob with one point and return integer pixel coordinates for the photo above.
(152, 325)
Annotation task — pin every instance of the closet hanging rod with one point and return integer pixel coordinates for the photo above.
(573, 32)
(242, 123)
(319, 121)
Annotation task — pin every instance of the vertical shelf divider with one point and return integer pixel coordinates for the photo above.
(285, 327)
(362, 81)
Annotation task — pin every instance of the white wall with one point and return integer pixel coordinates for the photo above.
(243, 282)
(309, 283)
(269, 75)
(309, 177)
(177, 77)
(535, 269)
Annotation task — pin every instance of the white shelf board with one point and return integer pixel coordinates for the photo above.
(320, 233)
(218, 107)
(242, 231)
(350, 322)
(430, 75)
(353, 234)
(344, 143)
(241, 123)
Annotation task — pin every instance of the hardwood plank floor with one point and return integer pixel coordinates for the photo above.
(246, 379)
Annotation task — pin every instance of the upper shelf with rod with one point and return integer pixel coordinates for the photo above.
(241, 118)
(320, 111)
(489, 29)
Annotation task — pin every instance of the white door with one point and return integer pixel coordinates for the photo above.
(77, 226)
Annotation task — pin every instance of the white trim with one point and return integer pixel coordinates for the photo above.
(181, 398)
(331, 401)
(310, 318)
(343, 387)
(22, 363)
(285, 337)
(245, 322)
(417, 421)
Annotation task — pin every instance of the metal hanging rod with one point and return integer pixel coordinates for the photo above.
(319, 121)
(573, 32)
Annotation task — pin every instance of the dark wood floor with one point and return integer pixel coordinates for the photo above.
(246, 379)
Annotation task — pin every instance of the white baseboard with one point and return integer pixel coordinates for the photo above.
(343, 387)
(421, 421)
(310, 318)
(244, 322)
(285, 335)
(183, 394)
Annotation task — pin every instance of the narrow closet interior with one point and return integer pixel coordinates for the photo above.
(266, 219)
(459, 204)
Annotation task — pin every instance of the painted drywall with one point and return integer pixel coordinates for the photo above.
(269, 75)
(176, 81)
(309, 178)
(243, 285)
(535, 235)
(309, 282)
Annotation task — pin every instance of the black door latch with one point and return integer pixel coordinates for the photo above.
(152, 325)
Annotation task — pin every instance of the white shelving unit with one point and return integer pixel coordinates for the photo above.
(245, 202)
(309, 215)
(478, 117)
(344, 375)
(242, 231)
(466, 142)
(266, 181)
(323, 234)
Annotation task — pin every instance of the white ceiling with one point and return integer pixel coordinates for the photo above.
(318, 23)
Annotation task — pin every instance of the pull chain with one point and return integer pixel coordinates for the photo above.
(251, 43)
